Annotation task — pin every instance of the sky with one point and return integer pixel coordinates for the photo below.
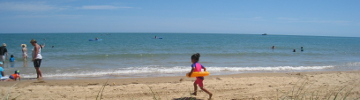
(284, 17)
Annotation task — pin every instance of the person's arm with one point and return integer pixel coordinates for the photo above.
(43, 46)
(192, 70)
(2, 73)
(6, 54)
(203, 67)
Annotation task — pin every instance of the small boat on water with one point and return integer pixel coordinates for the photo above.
(158, 37)
(96, 39)
(264, 34)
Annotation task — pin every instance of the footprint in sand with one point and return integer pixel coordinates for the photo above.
(93, 84)
(40, 82)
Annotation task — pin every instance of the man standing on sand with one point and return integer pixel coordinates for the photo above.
(3, 53)
(36, 58)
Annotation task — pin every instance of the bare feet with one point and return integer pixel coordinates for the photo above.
(39, 78)
(210, 95)
(194, 93)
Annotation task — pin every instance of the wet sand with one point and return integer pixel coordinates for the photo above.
(248, 86)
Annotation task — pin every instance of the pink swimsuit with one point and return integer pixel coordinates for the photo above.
(197, 68)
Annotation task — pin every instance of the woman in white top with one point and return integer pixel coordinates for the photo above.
(25, 54)
(24, 51)
(36, 57)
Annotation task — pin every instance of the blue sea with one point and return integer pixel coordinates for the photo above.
(129, 55)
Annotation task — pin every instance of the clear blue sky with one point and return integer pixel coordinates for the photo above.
(290, 17)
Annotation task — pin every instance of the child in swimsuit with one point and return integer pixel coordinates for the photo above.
(12, 61)
(196, 67)
(15, 76)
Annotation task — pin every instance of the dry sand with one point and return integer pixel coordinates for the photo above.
(250, 86)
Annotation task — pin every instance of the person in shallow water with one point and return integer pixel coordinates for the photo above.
(302, 49)
(3, 53)
(12, 61)
(14, 76)
(24, 52)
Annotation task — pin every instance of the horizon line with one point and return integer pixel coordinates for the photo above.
(163, 33)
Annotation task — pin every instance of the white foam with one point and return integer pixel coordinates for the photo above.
(279, 68)
(353, 64)
(149, 70)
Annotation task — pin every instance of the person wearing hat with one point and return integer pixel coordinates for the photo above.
(3, 53)
(14, 76)
(36, 57)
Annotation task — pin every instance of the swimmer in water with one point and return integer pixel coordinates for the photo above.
(302, 49)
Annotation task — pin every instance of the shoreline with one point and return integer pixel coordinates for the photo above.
(179, 74)
(175, 74)
(235, 86)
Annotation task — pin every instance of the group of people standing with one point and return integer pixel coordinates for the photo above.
(35, 58)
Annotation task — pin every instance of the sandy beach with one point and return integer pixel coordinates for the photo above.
(248, 86)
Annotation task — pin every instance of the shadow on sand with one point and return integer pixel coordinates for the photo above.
(186, 98)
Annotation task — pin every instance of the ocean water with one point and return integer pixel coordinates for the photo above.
(127, 55)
